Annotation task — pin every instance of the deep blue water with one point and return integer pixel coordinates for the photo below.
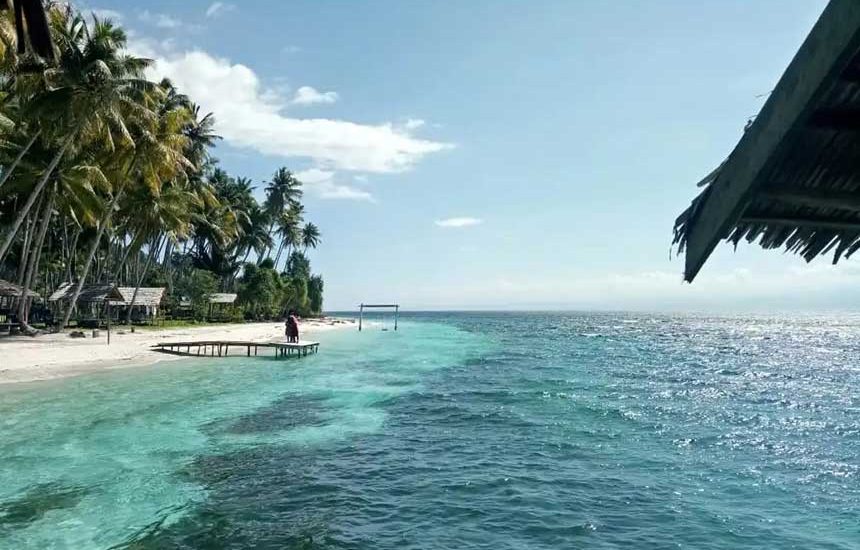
(468, 430)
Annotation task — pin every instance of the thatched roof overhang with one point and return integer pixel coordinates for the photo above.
(89, 293)
(793, 180)
(146, 296)
(11, 290)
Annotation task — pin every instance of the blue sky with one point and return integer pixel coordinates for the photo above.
(496, 154)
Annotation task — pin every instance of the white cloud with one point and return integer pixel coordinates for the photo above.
(218, 8)
(161, 20)
(250, 115)
(459, 222)
(307, 95)
(321, 183)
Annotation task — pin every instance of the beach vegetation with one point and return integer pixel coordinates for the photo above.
(108, 176)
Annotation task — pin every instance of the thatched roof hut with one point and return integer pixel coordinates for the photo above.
(89, 293)
(11, 290)
(222, 298)
(146, 296)
(793, 180)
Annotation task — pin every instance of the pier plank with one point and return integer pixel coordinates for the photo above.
(222, 347)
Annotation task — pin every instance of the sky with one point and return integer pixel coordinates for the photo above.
(496, 154)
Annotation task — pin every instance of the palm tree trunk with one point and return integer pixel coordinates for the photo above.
(268, 248)
(90, 255)
(35, 254)
(153, 251)
(101, 264)
(167, 263)
(278, 255)
(17, 160)
(247, 253)
(123, 260)
(289, 254)
(29, 227)
(32, 199)
(72, 256)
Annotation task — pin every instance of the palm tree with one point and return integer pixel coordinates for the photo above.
(289, 232)
(105, 91)
(282, 192)
(255, 237)
(92, 93)
(201, 136)
(103, 174)
(310, 236)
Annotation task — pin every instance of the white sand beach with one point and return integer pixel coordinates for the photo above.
(50, 356)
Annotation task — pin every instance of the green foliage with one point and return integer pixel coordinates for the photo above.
(118, 170)
(196, 286)
(315, 294)
(260, 291)
(298, 299)
(298, 266)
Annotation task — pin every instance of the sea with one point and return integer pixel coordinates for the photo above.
(489, 430)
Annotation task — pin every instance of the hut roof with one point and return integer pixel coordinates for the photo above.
(89, 293)
(222, 298)
(146, 296)
(8, 289)
(793, 179)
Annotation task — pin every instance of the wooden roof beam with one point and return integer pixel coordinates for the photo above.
(803, 221)
(836, 119)
(824, 56)
(838, 200)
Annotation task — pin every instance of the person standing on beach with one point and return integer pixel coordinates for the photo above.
(294, 322)
(291, 327)
(288, 328)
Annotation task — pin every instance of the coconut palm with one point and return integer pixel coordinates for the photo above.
(94, 91)
(282, 192)
(289, 232)
(103, 174)
(310, 236)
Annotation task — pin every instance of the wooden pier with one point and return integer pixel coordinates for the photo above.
(222, 348)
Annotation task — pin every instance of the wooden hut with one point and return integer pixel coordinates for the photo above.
(217, 302)
(146, 304)
(10, 295)
(92, 303)
(793, 180)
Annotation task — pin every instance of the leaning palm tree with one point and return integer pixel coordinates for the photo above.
(94, 90)
(156, 160)
(159, 218)
(105, 93)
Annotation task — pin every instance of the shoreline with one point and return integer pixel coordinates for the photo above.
(54, 356)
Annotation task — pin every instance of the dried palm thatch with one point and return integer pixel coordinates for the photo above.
(793, 180)
(89, 293)
(11, 290)
(146, 296)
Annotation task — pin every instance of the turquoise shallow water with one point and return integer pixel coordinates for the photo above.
(598, 431)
